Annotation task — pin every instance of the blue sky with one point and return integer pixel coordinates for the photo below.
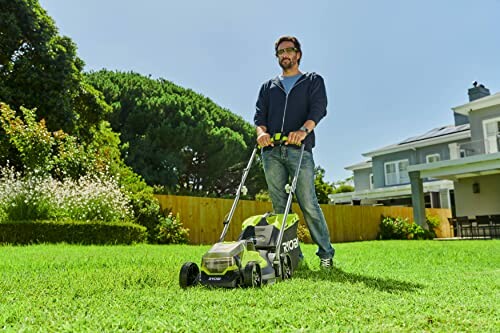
(393, 69)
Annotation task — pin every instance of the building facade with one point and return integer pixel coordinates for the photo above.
(393, 175)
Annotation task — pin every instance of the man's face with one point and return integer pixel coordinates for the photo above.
(287, 56)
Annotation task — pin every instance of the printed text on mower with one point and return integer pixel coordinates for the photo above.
(290, 245)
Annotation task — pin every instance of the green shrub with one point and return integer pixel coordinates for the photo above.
(58, 156)
(344, 188)
(3, 215)
(415, 231)
(147, 213)
(38, 149)
(171, 231)
(31, 138)
(73, 232)
(433, 222)
(144, 204)
(263, 195)
(391, 228)
(401, 228)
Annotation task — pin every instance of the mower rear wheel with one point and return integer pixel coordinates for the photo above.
(286, 268)
(189, 275)
(252, 275)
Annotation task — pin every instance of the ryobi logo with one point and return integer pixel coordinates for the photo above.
(291, 245)
(214, 278)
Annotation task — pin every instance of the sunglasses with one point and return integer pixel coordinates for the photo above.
(287, 50)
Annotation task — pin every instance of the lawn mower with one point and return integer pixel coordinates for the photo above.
(266, 251)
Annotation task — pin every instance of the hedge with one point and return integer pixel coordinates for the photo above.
(72, 232)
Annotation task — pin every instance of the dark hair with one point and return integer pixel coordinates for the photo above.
(292, 39)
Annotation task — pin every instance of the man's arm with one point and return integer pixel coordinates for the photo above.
(317, 110)
(263, 138)
(297, 137)
(260, 119)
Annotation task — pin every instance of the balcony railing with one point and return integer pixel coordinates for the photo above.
(478, 147)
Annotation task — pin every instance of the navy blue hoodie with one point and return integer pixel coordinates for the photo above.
(282, 113)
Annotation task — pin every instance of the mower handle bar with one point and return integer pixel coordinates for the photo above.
(288, 205)
(227, 221)
(229, 217)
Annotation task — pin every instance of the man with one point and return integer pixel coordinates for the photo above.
(293, 104)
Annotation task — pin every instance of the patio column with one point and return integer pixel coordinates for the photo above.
(417, 198)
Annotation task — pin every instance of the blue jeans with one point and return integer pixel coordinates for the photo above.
(280, 164)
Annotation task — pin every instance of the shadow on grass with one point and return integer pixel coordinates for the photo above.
(338, 275)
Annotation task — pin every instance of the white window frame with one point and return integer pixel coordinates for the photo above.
(486, 143)
(428, 157)
(399, 177)
(370, 180)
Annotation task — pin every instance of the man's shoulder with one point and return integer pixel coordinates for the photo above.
(270, 81)
(268, 84)
(313, 76)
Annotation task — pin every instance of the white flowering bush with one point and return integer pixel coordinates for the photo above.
(40, 197)
(94, 198)
(29, 198)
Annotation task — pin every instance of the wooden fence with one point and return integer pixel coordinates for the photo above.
(204, 217)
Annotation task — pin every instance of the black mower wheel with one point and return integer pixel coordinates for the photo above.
(188, 276)
(286, 268)
(252, 276)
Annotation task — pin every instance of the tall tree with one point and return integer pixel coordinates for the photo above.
(177, 138)
(40, 69)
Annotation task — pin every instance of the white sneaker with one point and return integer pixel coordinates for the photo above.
(326, 263)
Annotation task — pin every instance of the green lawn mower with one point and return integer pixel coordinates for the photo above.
(266, 251)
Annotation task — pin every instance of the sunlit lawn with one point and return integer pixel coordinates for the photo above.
(376, 286)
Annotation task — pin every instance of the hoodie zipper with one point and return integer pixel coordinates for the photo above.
(286, 100)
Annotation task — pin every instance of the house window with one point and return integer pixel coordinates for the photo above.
(491, 128)
(463, 153)
(432, 158)
(371, 181)
(396, 172)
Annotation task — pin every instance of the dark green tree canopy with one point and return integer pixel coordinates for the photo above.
(175, 137)
(40, 69)
(172, 136)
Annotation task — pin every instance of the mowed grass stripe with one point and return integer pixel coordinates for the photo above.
(376, 286)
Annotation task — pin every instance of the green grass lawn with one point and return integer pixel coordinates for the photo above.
(378, 286)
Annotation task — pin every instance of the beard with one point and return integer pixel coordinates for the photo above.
(286, 64)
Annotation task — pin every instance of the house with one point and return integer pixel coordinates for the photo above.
(474, 167)
(441, 168)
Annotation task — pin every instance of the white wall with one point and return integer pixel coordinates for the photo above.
(486, 202)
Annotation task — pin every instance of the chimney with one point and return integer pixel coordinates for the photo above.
(478, 91)
(460, 119)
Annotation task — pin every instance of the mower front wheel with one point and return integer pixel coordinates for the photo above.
(252, 275)
(189, 275)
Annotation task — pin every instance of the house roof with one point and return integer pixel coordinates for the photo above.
(478, 104)
(437, 132)
(361, 165)
(435, 136)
